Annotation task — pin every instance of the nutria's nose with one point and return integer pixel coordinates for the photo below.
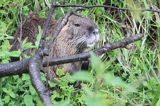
(95, 32)
(90, 29)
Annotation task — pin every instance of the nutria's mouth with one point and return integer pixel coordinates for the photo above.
(93, 39)
(89, 45)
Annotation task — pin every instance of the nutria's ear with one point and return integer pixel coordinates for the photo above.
(73, 17)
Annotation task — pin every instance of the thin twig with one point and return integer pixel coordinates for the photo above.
(84, 56)
(45, 27)
(106, 6)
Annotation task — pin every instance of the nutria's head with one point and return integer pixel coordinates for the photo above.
(81, 32)
(76, 36)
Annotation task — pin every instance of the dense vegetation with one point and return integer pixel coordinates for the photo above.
(121, 77)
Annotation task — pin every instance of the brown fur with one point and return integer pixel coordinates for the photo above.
(30, 29)
(74, 38)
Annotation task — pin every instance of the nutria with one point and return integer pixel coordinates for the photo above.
(78, 35)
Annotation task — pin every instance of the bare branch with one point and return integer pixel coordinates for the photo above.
(19, 67)
(34, 69)
(14, 68)
(45, 27)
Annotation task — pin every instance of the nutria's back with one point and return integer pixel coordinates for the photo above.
(30, 30)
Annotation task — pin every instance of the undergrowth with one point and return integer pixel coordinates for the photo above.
(122, 77)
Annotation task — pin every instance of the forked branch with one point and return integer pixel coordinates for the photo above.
(35, 64)
(7, 69)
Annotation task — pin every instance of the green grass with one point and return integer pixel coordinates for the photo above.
(119, 78)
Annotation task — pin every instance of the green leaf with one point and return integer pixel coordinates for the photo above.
(3, 54)
(32, 90)
(99, 11)
(8, 37)
(25, 77)
(28, 45)
(6, 99)
(25, 10)
(3, 27)
(60, 72)
(6, 60)
(9, 92)
(95, 100)
(158, 102)
(5, 90)
(6, 45)
(28, 100)
(24, 41)
(15, 53)
(12, 94)
(51, 84)
(36, 6)
(63, 103)
(97, 64)
(112, 80)
(83, 76)
(134, 7)
(38, 38)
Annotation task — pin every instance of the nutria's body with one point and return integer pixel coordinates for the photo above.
(76, 36)
(30, 29)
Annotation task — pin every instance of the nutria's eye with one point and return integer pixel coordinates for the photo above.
(77, 25)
